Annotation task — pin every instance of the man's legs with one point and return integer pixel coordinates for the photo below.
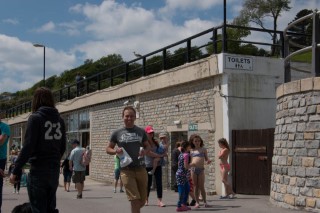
(136, 206)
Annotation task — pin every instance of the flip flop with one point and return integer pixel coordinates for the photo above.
(161, 204)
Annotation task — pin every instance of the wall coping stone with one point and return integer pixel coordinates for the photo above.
(302, 85)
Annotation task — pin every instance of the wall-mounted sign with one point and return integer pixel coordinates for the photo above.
(238, 62)
(193, 127)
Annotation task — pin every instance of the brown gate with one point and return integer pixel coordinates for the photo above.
(252, 160)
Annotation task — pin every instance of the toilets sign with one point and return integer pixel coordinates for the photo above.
(238, 62)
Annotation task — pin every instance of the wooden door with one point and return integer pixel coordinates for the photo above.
(252, 160)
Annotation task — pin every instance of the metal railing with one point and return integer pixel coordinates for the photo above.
(192, 48)
(315, 47)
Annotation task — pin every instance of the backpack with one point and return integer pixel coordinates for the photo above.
(86, 158)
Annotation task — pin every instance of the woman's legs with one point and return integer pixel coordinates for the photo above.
(158, 178)
(149, 183)
(195, 187)
(228, 188)
(68, 186)
(201, 186)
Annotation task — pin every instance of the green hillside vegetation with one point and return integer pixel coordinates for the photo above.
(303, 57)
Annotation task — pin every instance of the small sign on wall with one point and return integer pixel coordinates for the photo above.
(238, 62)
(193, 127)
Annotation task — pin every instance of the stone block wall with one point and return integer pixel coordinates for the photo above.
(295, 180)
(190, 103)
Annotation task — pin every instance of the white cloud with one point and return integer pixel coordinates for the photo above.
(118, 28)
(21, 64)
(11, 21)
(189, 4)
(47, 27)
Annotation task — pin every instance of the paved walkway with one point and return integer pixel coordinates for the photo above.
(99, 197)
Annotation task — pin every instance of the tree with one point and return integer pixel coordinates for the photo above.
(257, 10)
(304, 27)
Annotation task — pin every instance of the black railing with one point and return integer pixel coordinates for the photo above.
(191, 49)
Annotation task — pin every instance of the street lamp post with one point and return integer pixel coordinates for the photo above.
(44, 62)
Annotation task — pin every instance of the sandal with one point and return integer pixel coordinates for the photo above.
(206, 205)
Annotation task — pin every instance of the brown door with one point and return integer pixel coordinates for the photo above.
(252, 160)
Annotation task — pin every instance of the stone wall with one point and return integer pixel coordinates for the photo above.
(295, 180)
(190, 103)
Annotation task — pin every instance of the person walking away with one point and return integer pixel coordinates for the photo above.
(67, 174)
(4, 137)
(149, 158)
(117, 174)
(17, 184)
(134, 176)
(225, 168)
(75, 165)
(44, 145)
(182, 177)
(198, 156)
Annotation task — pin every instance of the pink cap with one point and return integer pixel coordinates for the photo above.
(149, 129)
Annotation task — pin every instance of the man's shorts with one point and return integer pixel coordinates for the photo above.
(135, 181)
(116, 174)
(78, 176)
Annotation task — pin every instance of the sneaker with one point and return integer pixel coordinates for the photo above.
(232, 196)
(114, 191)
(14, 191)
(150, 173)
(121, 190)
(192, 203)
(187, 207)
(206, 205)
(18, 192)
(79, 196)
(182, 209)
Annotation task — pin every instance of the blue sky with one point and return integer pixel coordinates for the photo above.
(76, 30)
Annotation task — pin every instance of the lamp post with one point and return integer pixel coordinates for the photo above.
(44, 62)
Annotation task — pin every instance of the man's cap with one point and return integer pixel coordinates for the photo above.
(75, 141)
(149, 129)
(163, 134)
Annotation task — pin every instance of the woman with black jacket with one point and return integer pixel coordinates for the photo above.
(44, 145)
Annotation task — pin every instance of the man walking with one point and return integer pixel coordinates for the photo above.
(134, 176)
(75, 165)
(4, 136)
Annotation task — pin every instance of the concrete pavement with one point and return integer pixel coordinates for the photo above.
(99, 197)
